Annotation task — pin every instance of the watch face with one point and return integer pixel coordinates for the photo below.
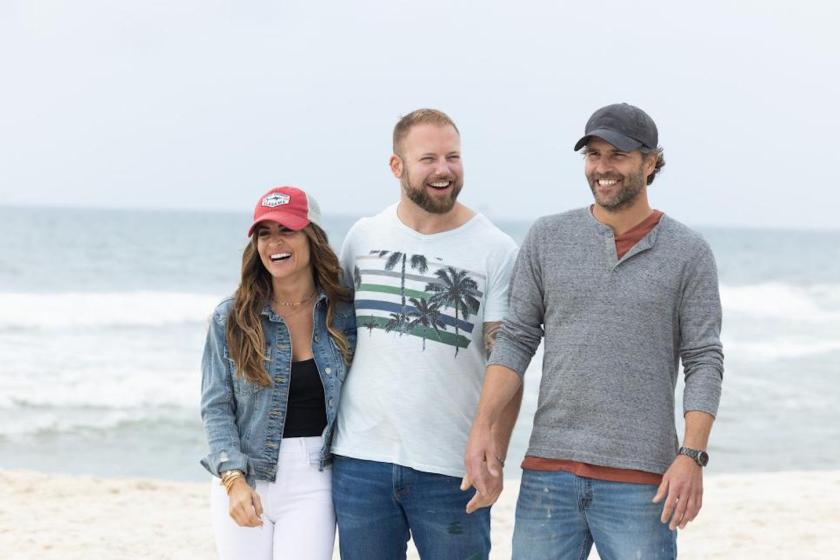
(703, 458)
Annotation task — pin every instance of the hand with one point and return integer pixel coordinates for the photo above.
(683, 484)
(245, 506)
(479, 499)
(484, 469)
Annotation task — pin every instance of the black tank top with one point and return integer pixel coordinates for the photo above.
(306, 413)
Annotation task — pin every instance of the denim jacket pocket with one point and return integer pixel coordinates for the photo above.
(241, 386)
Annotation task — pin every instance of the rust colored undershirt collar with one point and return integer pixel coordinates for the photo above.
(625, 242)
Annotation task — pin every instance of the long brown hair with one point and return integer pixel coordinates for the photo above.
(244, 332)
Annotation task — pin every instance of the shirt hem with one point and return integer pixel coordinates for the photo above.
(384, 458)
(597, 460)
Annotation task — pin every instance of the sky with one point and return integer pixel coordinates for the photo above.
(205, 104)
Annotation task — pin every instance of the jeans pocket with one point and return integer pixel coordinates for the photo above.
(313, 450)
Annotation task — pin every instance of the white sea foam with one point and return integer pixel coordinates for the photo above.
(87, 400)
(777, 321)
(779, 348)
(131, 388)
(775, 300)
(819, 303)
(80, 379)
(92, 310)
(70, 420)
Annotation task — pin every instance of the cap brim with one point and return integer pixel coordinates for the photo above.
(295, 223)
(620, 141)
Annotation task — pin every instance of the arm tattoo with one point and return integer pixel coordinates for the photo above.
(491, 329)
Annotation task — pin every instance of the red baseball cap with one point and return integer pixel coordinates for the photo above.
(288, 206)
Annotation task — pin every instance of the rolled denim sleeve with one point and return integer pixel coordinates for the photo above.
(218, 407)
(522, 328)
(699, 323)
(350, 274)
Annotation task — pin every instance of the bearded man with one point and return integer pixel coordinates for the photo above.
(621, 293)
(430, 281)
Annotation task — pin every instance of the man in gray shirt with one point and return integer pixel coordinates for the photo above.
(621, 293)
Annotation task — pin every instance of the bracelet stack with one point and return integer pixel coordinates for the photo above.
(229, 477)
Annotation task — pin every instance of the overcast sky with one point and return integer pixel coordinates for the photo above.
(205, 104)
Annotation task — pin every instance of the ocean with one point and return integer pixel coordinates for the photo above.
(103, 315)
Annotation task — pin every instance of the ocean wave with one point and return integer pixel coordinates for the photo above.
(78, 401)
(775, 300)
(772, 300)
(93, 420)
(781, 348)
(132, 390)
(96, 310)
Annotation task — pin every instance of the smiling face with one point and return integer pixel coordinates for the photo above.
(284, 253)
(615, 177)
(429, 167)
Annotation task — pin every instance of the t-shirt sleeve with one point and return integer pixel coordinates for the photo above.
(496, 301)
(350, 275)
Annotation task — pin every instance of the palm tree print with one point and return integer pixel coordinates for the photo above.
(357, 277)
(417, 262)
(395, 323)
(457, 290)
(427, 315)
(370, 323)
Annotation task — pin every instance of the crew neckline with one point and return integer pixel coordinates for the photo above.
(439, 235)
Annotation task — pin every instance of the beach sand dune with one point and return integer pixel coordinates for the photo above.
(50, 516)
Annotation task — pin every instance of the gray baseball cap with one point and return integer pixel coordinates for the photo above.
(624, 126)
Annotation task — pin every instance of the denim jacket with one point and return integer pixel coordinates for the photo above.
(244, 421)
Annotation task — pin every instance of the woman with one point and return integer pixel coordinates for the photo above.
(276, 355)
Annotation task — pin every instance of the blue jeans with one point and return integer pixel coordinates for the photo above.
(559, 515)
(378, 504)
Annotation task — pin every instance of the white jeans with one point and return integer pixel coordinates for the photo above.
(298, 517)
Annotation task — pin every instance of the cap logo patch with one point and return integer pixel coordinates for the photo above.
(275, 199)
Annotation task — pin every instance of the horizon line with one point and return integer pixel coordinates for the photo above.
(246, 213)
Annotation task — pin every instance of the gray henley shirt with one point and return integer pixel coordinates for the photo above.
(615, 331)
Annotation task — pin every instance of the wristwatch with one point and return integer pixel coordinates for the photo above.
(700, 457)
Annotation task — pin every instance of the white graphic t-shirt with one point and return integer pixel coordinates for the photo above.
(421, 301)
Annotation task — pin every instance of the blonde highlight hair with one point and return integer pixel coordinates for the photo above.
(414, 118)
(244, 331)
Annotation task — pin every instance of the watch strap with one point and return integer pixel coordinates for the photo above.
(698, 455)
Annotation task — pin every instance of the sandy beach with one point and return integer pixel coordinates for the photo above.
(49, 516)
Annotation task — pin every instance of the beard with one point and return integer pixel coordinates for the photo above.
(420, 196)
(631, 186)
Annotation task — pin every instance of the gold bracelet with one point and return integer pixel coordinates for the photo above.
(230, 482)
(229, 477)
